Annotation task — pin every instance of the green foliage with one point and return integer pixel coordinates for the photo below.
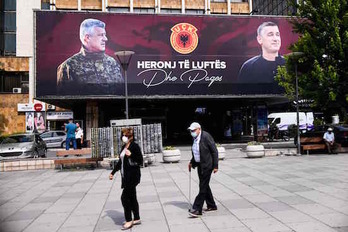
(322, 26)
(253, 143)
(169, 148)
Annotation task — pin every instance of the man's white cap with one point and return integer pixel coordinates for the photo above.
(194, 126)
(329, 129)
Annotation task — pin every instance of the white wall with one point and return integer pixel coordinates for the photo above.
(25, 23)
(25, 37)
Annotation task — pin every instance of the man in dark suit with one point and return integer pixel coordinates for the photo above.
(205, 158)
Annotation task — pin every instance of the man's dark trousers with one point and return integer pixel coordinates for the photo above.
(205, 193)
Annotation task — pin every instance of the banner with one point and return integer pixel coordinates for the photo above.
(174, 54)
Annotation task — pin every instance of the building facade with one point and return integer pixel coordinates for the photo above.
(227, 116)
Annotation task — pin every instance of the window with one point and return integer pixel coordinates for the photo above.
(8, 27)
(171, 11)
(118, 9)
(46, 135)
(144, 10)
(10, 80)
(190, 11)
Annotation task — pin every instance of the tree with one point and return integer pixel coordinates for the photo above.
(322, 26)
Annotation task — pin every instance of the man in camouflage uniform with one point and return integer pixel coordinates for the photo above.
(90, 71)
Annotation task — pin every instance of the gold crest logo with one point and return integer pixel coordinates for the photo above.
(184, 38)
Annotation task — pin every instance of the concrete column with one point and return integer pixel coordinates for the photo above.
(131, 6)
(183, 6)
(205, 6)
(79, 5)
(159, 6)
(250, 5)
(92, 117)
(228, 7)
(32, 86)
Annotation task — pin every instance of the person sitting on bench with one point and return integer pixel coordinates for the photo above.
(329, 139)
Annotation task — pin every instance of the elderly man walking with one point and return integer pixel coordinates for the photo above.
(205, 158)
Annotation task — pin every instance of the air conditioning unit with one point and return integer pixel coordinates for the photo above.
(17, 90)
(51, 107)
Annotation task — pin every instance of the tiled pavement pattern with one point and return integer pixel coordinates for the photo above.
(273, 194)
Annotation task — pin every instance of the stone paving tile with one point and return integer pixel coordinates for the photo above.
(294, 200)
(47, 218)
(82, 220)
(152, 226)
(238, 229)
(259, 198)
(38, 227)
(237, 204)
(333, 219)
(265, 225)
(310, 227)
(250, 213)
(291, 216)
(14, 226)
(273, 206)
(222, 222)
(24, 215)
(196, 227)
(77, 229)
(313, 209)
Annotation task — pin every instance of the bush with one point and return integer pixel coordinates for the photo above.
(254, 143)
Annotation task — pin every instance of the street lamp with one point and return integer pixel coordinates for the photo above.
(124, 58)
(296, 56)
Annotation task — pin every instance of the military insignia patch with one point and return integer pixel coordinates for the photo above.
(184, 38)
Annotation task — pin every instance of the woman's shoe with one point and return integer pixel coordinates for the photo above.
(137, 222)
(127, 225)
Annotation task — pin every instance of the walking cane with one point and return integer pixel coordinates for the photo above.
(190, 205)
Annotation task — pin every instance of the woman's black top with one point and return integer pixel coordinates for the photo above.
(131, 166)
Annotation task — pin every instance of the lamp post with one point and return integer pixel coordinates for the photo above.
(124, 58)
(297, 55)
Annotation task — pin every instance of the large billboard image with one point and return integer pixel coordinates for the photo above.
(174, 54)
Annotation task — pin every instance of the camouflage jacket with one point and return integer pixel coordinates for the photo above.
(88, 73)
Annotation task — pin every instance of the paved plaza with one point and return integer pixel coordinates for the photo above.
(271, 194)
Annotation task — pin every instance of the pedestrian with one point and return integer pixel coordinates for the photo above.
(129, 165)
(205, 158)
(329, 139)
(79, 136)
(70, 130)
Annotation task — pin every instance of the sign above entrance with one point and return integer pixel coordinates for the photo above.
(29, 107)
(174, 54)
(59, 115)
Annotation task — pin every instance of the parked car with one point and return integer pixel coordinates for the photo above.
(23, 146)
(54, 138)
(340, 132)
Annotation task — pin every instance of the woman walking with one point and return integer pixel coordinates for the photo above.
(129, 165)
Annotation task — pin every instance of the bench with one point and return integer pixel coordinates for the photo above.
(314, 143)
(79, 160)
(75, 160)
(77, 152)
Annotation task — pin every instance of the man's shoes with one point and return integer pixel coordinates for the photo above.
(210, 209)
(195, 213)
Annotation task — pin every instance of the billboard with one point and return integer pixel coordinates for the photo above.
(174, 54)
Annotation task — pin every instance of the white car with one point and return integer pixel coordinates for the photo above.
(54, 138)
(23, 146)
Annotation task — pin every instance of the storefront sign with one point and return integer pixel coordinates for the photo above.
(59, 115)
(29, 107)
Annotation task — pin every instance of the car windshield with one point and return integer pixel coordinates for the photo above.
(19, 139)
